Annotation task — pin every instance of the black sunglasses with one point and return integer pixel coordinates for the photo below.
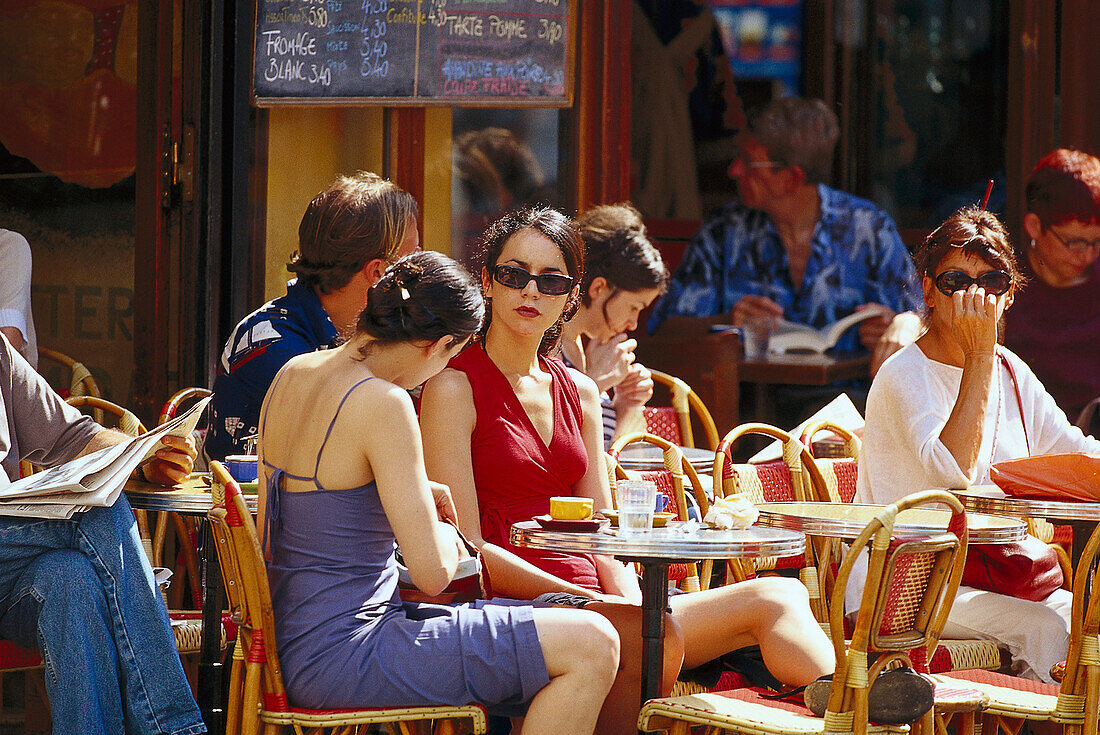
(993, 282)
(549, 284)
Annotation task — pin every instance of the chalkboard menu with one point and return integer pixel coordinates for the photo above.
(451, 52)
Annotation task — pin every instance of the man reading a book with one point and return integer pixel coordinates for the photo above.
(81, 590)
(791, 247)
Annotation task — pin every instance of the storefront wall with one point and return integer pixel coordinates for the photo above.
(67, 168)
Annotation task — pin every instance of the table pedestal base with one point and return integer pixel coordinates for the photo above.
(654, 604)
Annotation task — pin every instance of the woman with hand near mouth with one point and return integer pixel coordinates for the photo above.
(623, 274)
(507, 427)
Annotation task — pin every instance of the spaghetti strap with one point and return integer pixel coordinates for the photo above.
(332, 423)
(274, 479)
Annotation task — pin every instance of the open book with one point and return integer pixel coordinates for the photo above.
(96, 479)
(793, 337)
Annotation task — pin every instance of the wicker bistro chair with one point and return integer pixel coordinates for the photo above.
(81, 382)
(906, 599)
(152, 528)
(670, 483)
(1076, 703)
(186, 529)
(257, 698)
(792, 478)
(838, 475)
(673, 423)
(838, 471)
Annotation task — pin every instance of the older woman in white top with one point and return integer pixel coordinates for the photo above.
(945, 408)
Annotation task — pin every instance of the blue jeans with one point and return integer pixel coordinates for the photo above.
(82, 592)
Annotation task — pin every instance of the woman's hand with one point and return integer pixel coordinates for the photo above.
(173, 461)
(444, 503)
(452, 532)
(974, 316)
(635, 390)
(608, 363)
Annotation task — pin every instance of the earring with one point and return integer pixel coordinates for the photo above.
(1032, 243)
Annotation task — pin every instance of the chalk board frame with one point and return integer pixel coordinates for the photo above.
(564, 101)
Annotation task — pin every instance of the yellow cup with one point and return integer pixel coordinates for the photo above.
(570, 509)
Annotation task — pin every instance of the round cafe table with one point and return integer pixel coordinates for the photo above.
(192, 497)
(654, 550)
(641, 456)
(1082, 516)
(847, 520)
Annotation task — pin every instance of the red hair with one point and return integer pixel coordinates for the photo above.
(1064, 186)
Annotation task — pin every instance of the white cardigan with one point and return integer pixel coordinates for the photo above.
(909, 403)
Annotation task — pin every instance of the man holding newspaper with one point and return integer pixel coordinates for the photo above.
(80, 589)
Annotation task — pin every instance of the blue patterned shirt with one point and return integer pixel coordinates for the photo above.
(260, 345)
(856, 257)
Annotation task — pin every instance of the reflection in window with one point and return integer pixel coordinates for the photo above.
(940, 70)
(501, 160)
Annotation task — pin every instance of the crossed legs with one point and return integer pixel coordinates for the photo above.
(772, 612)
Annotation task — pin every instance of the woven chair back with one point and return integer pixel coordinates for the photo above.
(673, 423)
(836, 461)
(906, 598)
(792, 478)
(663, 421)
(670, 482)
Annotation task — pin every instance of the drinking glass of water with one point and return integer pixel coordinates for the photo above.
(637, 500)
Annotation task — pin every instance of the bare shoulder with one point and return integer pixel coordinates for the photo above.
(377, 396)
(448, 386)
(448, 397)
(586, 387)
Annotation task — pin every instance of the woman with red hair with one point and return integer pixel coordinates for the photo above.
(1054, 324)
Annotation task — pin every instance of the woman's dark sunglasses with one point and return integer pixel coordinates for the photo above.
(993, 282)
(549, 284)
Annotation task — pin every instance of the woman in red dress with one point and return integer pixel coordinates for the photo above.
(507, 427)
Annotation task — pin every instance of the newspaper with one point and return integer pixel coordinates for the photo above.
(95, 479)
(841, 411)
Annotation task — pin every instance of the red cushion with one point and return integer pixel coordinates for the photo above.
(663, 421)
(16, 657)
(1004, 680)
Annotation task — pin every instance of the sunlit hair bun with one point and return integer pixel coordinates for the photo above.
(617, 249)
(423, 296)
